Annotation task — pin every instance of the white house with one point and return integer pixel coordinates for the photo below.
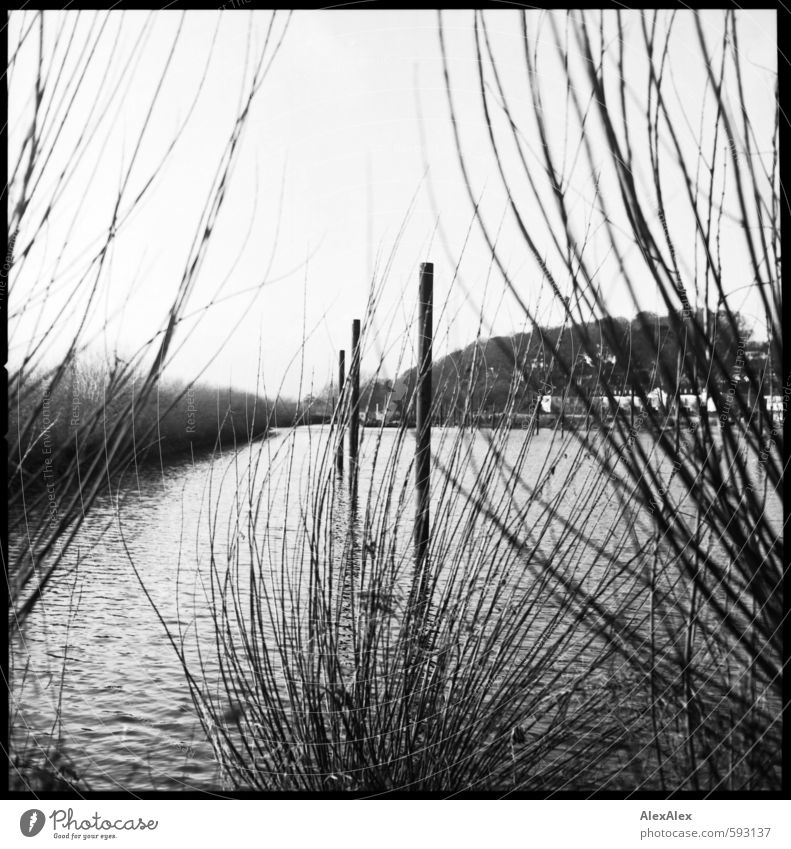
(693, 403)
(657, 399)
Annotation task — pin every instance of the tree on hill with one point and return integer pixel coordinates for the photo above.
(650, 352)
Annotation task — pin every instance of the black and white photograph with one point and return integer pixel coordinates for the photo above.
(396, 402)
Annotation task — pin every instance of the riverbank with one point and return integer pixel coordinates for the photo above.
(56, 437)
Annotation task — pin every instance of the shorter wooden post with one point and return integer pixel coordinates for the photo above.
(423, 414)
(354, 414)
(341, 396)
(562, 414)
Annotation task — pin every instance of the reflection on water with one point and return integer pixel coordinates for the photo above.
(95, 654)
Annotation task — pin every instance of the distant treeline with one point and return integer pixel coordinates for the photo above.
(546, 360)
(74, 424)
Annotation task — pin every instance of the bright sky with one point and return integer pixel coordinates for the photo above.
(347, 161)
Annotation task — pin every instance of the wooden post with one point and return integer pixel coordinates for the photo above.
(423, 415)
(677, 394)
(341, 395)
(562, 414)
(631, 412)
(354, 413)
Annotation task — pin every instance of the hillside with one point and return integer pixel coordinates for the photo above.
(643, 352)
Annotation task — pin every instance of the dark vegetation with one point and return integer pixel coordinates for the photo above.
(178, 422)
(554, 356)
(649, 353)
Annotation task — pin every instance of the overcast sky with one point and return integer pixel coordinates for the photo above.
(347, 163)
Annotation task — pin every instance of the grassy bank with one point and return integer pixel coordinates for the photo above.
(53, 434)
(89, 427)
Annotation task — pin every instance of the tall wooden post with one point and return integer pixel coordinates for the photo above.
(354, 414)
(423, 414)
(759, 399)
(749, 402)
(341, 396)
(677, 393)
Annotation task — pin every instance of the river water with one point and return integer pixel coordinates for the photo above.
(94, 669)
